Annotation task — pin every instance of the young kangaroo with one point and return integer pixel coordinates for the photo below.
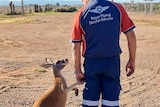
(56, 95)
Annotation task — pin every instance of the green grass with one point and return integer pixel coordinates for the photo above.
(24, 18)
(3, 16)
(40, 13)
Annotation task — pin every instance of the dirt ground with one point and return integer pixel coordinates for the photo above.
(26, 41)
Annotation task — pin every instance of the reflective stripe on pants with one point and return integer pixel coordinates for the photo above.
(110, 103)
(90, 103)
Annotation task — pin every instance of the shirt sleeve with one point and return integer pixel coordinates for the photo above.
(76, 34)
(126, 23)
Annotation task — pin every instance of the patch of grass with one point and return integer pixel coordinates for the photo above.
(23, 19)
(41, 70)
(8, 19)
(19, 20)
(40, 13)
(3, 16)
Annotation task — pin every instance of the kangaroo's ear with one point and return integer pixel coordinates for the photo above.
(48, 63)
(49, 60)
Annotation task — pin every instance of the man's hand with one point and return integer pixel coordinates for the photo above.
(80, 77)
(130, 68)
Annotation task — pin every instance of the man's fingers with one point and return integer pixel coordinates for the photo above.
(129, 72)
(82, 80)
(130, 67)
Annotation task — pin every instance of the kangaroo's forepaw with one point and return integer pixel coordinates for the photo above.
(76, 91)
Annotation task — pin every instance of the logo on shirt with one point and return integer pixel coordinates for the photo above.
(99, 9)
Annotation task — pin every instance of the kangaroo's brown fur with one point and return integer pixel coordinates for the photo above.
(56, 95)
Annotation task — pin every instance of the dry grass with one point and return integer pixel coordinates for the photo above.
(16, 20)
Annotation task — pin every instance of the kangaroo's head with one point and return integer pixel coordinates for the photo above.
(57, 66)
(60, 64)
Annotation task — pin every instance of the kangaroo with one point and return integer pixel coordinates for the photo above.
(56, 95)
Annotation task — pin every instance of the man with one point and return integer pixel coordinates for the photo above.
(97, 27)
